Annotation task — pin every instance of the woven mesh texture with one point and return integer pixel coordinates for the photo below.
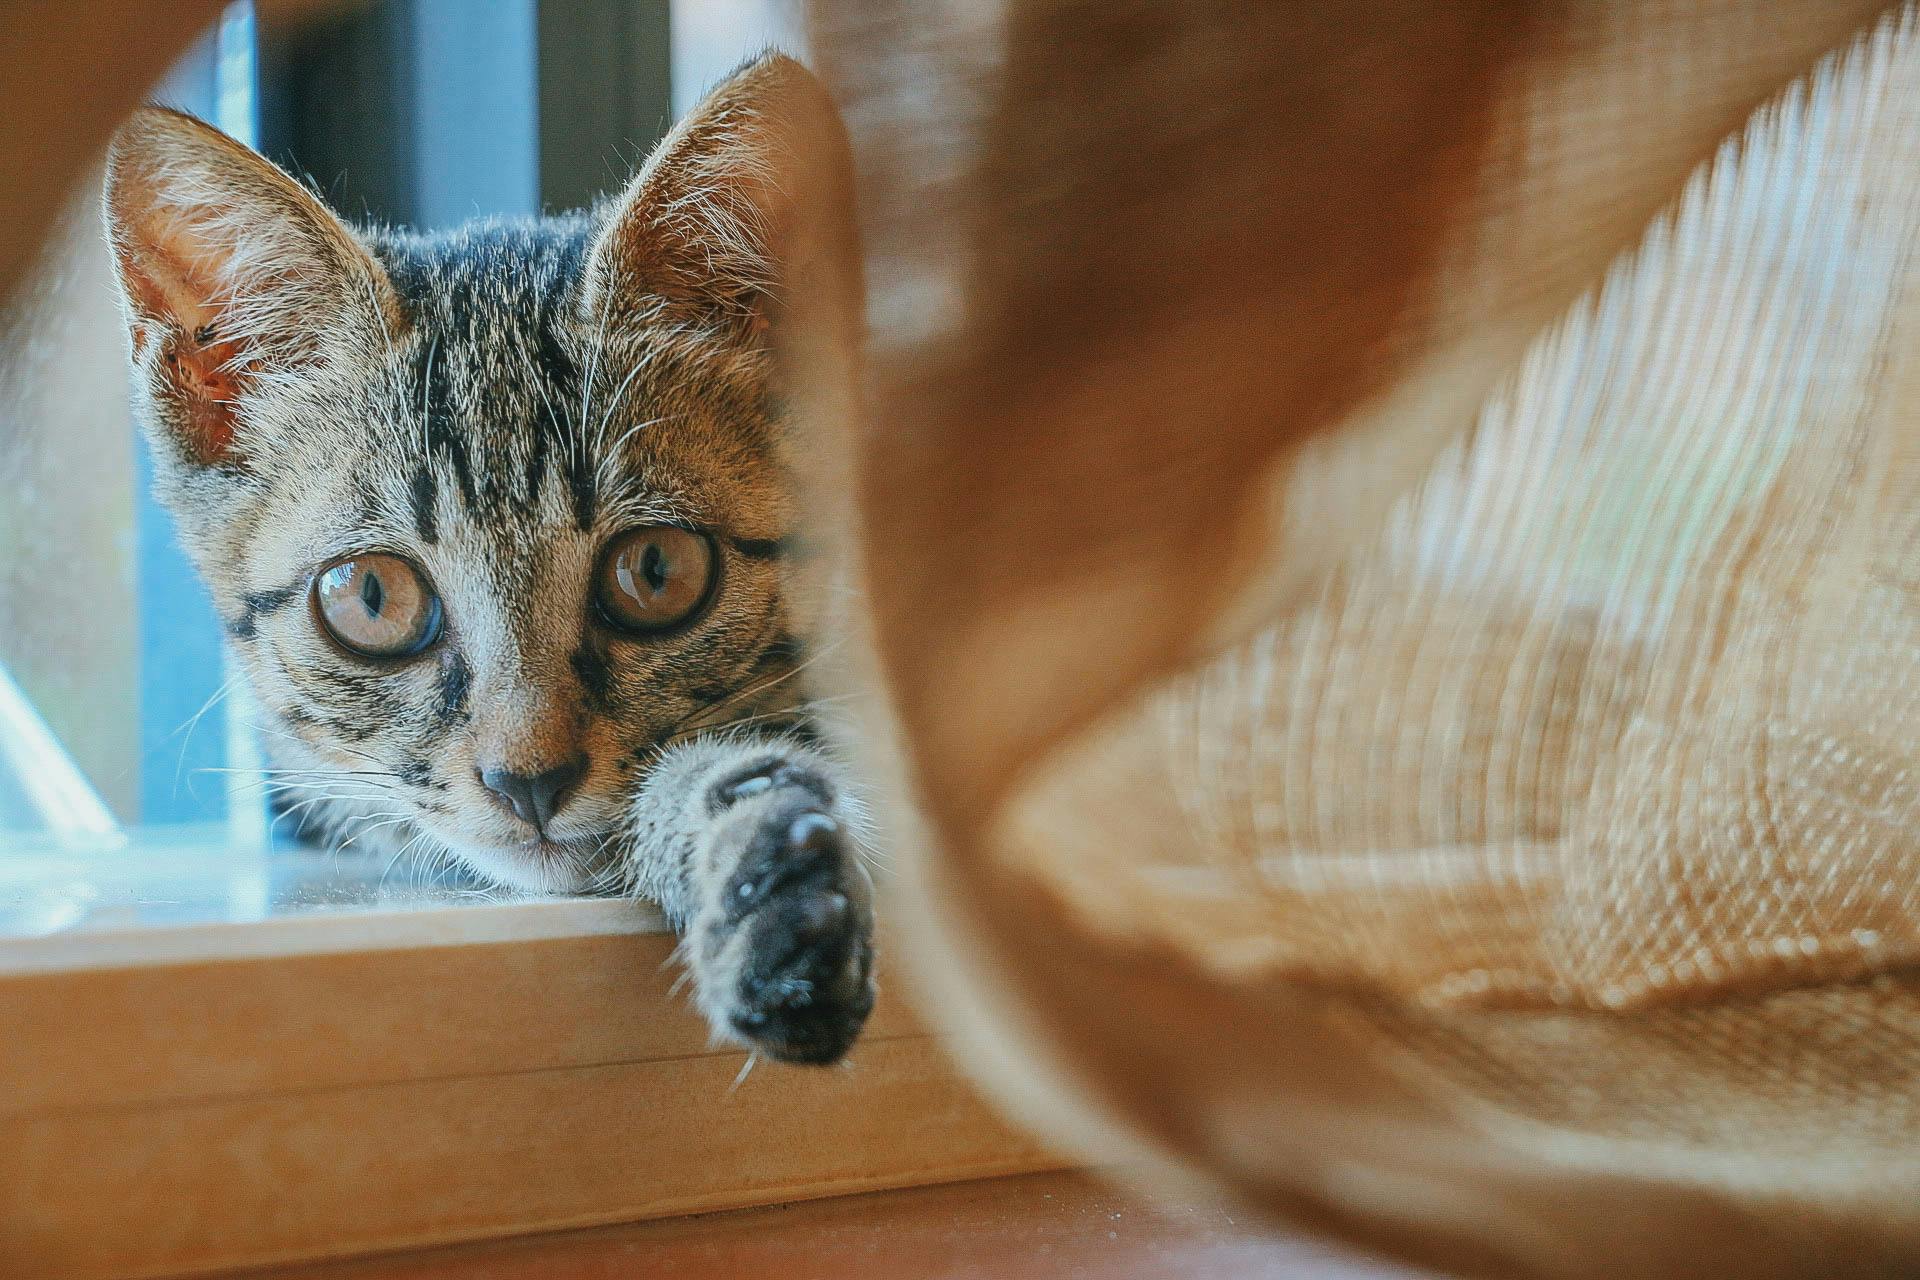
(1589, 794)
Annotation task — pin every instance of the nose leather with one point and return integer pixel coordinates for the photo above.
(535, 797)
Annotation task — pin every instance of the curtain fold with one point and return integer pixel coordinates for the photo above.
(1385, 547)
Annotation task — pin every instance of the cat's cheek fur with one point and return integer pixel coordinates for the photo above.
(752, 846)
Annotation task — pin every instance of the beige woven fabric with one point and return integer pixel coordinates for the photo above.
(1624, 707)
(1536, 895)
(1595, 782)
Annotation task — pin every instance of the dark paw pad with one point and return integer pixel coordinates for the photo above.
(805, 985)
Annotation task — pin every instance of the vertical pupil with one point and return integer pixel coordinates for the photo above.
(653, 567)
(372, 594)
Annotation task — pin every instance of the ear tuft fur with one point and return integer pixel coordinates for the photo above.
(229, 271)
(702, 234)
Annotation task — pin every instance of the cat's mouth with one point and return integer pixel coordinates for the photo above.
(538, 865)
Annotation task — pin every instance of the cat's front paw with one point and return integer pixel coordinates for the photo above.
(783, 953)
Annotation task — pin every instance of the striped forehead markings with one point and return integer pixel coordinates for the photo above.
(494, 301)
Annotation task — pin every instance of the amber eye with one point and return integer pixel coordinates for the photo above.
(377, 605)
(654, 579)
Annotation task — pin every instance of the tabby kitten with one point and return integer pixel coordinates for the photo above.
(496, 519)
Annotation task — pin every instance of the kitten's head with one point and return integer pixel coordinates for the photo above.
(490, 515)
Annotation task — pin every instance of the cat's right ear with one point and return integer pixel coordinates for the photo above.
(729, 213)
(231, 273)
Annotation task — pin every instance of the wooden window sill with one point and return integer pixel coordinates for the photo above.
(333, 1076)
(1035, 1227)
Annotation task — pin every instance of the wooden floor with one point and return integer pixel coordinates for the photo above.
(1056, 1226)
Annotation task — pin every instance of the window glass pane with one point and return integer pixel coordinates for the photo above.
(196, 762)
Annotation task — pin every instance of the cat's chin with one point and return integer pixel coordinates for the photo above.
(544, 867)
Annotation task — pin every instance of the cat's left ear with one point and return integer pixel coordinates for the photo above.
(711, 230)
(231, 273)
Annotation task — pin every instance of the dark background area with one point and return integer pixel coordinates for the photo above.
(428, 112)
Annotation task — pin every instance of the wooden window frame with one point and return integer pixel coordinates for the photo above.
(183, 1100)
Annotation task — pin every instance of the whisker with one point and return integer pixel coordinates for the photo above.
(277, 787)
(299, 773)
(738, 722)
(308, 803)
(613, 405)
(426, 391)
(277, 732)
(400, 853)
(608, 457)
(190, 724)
(387, 820)
(753, 690)
(560, 424)
(593, 372)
